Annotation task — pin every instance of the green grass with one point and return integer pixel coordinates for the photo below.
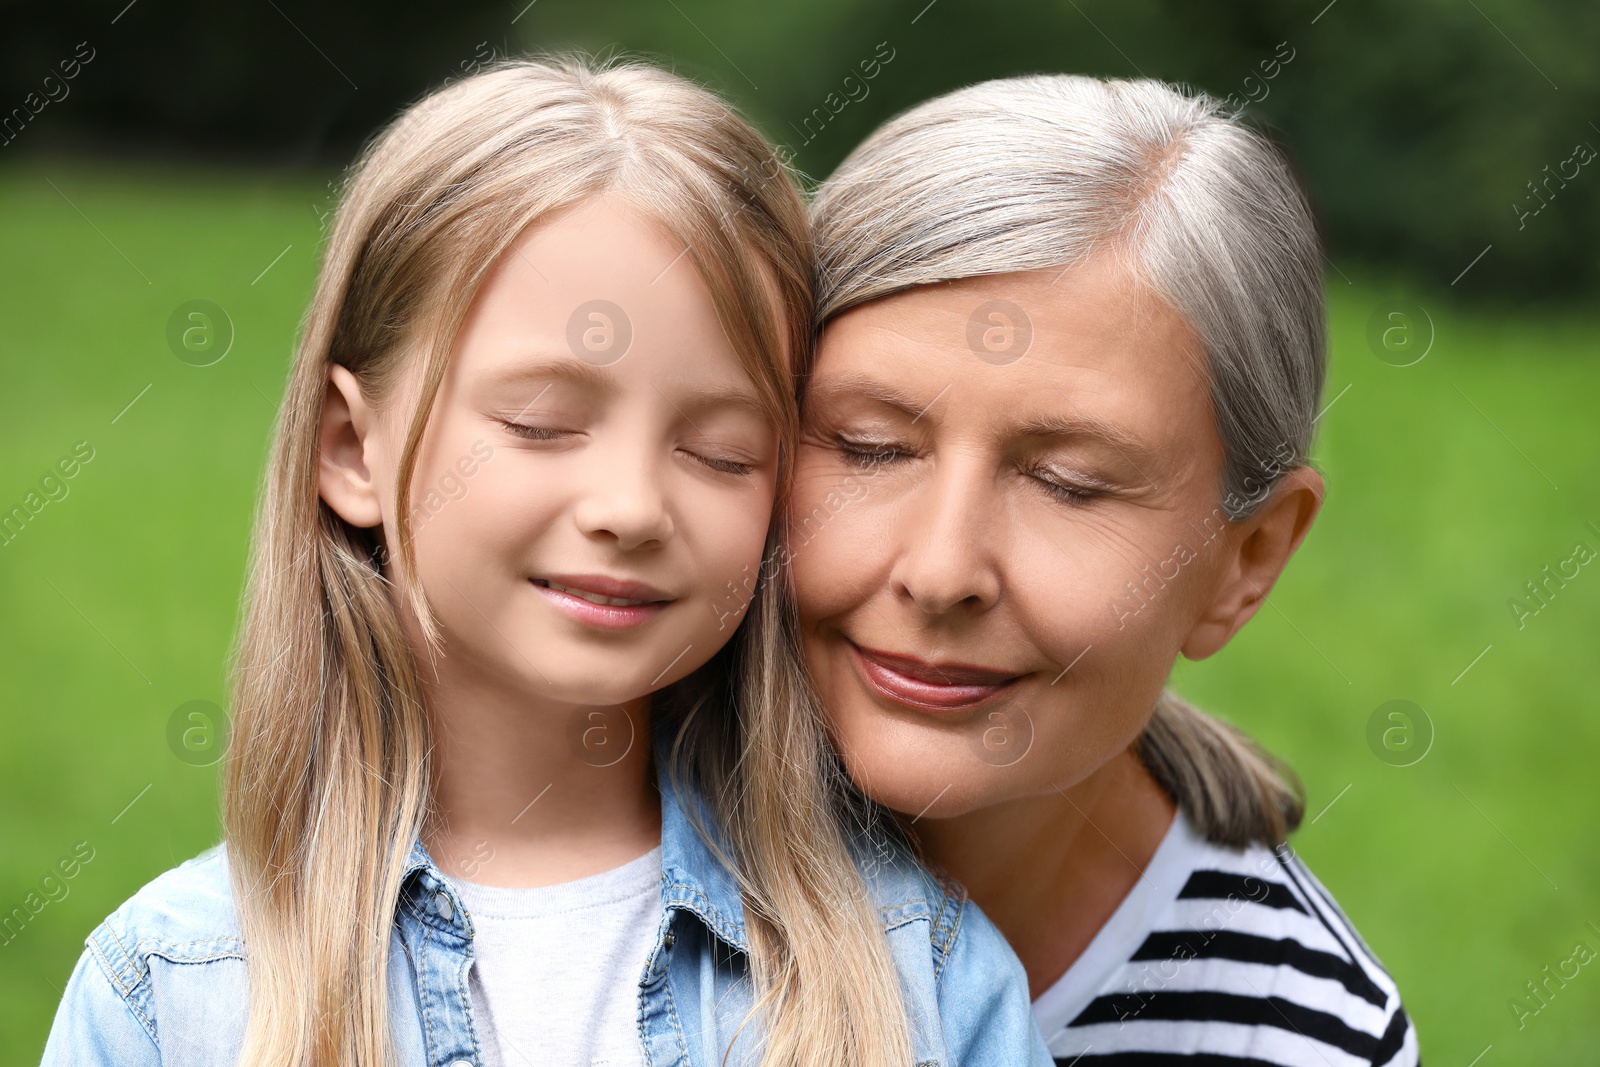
(1468, 872)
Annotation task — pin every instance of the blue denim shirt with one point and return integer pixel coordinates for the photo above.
(163, 980)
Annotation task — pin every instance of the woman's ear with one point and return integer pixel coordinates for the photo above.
(344, 476)
(1258, 550)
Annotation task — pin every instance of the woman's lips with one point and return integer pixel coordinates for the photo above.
(929, 686)
(602, 602)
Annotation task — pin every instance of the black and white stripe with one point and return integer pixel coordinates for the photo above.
(1221, 958)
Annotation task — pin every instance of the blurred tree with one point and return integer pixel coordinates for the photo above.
(1427, 132)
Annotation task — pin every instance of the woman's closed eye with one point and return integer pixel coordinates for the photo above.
(1075, 491)
(872, 452)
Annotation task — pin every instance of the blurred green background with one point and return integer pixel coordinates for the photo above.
(190, 159)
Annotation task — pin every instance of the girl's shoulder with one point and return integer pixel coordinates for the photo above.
(185, 915)
(965, 990)
(906, 891)
(964, 972)
(172, 951)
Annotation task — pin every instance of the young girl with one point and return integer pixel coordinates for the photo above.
(502, 790)
(1073, 343)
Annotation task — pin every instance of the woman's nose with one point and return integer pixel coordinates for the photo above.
(947, 560)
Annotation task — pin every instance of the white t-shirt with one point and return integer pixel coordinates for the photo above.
(556, 969)
(1240, 957)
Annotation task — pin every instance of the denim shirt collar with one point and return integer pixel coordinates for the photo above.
(693, 879)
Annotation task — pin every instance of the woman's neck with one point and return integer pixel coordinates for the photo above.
(1050, 870)
(530, 793)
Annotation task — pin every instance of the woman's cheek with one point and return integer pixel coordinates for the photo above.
(1111, 587)
(838, 541)
(1115, 636)
(821, 568)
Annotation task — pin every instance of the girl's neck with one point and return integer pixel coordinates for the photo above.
(531, 793)
(1050, 870)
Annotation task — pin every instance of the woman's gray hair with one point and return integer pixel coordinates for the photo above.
(1045, 171)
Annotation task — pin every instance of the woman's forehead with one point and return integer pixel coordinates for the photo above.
(1088, 344)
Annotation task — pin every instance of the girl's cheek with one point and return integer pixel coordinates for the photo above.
(731, 525)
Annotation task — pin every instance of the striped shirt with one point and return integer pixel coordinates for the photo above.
(1222, 958)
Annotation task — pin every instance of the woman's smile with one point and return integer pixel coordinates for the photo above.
(916, 682)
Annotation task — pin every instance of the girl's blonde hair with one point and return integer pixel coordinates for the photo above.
(1044, 171)
(327, 782)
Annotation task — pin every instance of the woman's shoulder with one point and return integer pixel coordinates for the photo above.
(1229, 941)
(1314, 960)
(1290, 903)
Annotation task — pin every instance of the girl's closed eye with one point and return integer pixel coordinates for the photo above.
(556, 418)
(537, 433)
(722, 460)
(726, 440)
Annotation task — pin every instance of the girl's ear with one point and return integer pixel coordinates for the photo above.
(1258, 551)
(344, 477)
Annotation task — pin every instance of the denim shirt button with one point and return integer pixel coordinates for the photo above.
(462, 1063)
(446, 912)
(668, 940)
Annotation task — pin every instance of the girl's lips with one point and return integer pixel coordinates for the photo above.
(928, 686)
(573, 602)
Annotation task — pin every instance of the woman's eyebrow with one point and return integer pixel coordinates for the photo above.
(1079, 426)
(865, 386)
(1084, 427)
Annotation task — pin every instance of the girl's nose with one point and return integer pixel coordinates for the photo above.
(626, 504)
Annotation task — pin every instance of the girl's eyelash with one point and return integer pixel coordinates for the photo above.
(726, 466)
(534, 433)
(543, 433)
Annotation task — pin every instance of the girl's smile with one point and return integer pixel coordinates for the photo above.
(603, 603)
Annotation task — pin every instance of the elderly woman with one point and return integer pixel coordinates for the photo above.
(1057, 435)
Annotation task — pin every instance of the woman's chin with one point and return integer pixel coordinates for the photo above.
(940, 780)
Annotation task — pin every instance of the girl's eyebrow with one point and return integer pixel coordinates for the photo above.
(559, 368)
(711, 397)
(579, 372)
